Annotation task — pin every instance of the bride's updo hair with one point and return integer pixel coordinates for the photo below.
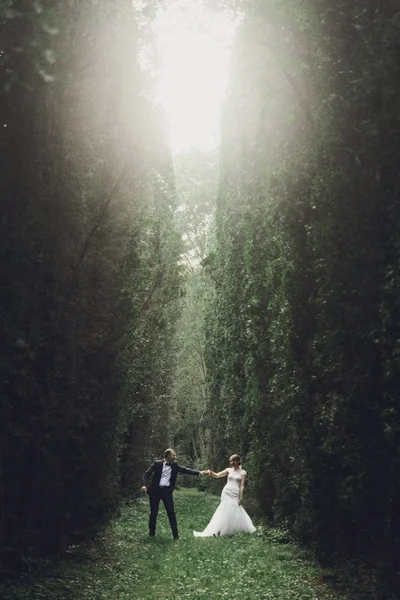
(236, 459)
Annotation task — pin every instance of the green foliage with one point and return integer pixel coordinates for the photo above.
(89, 279)
(301, 331)
(33, 28)
(189, 391)
(196, 176)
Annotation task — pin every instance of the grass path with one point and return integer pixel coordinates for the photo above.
(129, 565)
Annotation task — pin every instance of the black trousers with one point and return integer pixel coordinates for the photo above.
(166, 497)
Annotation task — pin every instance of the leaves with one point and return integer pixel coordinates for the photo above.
(90, 278)
(305, 231)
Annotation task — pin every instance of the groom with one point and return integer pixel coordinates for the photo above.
(162, 486)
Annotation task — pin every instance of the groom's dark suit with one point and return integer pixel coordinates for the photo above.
(158, 493)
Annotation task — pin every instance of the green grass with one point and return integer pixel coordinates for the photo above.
(129, 565)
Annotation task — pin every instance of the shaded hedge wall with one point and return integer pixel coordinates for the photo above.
(302, 332)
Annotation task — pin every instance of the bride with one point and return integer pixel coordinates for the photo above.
(230, 516)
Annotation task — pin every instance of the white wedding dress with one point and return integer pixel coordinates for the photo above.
(230, 517)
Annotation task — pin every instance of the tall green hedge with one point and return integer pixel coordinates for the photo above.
(89, 282)
(302, 332)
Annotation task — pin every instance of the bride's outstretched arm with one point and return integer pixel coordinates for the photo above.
(223, 473)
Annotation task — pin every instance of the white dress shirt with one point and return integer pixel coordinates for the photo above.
(166, 475)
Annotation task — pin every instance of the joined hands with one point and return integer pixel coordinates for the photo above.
(143, 489)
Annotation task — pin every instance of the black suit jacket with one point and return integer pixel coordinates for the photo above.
(156, 470)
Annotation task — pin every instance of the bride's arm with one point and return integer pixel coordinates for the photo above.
(223, 473)
(241, 490)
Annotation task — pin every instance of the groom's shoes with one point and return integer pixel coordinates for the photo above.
(152, 534)
(177, 539)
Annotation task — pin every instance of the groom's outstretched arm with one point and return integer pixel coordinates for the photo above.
(187, 471)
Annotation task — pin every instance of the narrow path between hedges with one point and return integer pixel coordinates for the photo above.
(129, 565)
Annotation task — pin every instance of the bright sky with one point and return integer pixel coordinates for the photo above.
(194, 47)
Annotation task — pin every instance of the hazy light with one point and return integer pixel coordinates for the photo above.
(194, 46)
